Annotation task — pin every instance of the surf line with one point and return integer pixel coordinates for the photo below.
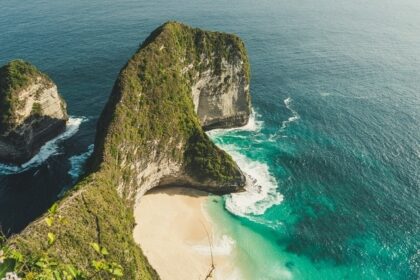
(47, 150)
(261, 187)
(295, 116)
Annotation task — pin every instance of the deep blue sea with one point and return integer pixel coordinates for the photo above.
(334, 145)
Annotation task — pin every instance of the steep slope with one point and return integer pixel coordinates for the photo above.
(31, 111)
(149, 134)
(149, 130)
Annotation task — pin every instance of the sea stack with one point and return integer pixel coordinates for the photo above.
(31, 111)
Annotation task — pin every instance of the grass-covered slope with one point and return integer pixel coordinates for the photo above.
(92, 213)
(148, 134)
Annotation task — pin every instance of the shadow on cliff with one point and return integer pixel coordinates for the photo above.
(18, 146)
(178, 190)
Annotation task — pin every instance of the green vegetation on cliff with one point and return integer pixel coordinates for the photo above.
(91, 213)
(151, 106)
(149, 121)
(15, 76)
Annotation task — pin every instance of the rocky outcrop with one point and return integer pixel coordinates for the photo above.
(222, 99)
(181, 80)
(150, 134)
(32, 111)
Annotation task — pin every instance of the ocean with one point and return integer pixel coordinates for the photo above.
(333, 146)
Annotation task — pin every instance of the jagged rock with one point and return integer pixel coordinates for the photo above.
(31, 111)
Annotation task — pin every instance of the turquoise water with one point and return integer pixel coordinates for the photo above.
(335, 147)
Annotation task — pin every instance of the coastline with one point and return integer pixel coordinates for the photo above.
(175, 231)
(47, 150)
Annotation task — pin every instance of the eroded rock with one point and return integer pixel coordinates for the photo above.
(31, 111)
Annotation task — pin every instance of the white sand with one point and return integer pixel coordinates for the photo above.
(171, 228)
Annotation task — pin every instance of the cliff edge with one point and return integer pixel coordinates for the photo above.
(150, 134)
(31, 111)
(180, 80)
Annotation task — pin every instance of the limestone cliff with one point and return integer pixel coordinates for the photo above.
(149, 130)
(31, 111)
(150, 134)
(220, 80)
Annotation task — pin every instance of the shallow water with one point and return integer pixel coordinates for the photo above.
(336, 144)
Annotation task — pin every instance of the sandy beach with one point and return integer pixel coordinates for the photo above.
(174, 232)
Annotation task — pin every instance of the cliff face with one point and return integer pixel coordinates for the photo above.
(221, 96)
(180, 80)
(31, 111)
(151, 134)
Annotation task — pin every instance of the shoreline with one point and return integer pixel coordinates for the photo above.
(174, 231)
(47, 150)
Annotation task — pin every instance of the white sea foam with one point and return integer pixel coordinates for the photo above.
(325, 94)
(253, 125)
(48, 149)
(295, 116)
(274, 225)
(235, 274)
(261, 188)
(260, 191)
(77, 163)
(221, 247)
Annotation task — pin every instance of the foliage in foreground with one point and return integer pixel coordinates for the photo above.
(92, 212)
(14, 265)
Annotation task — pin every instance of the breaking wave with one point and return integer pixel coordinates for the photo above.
(260, 191)
(222, 247)
(48, 149)
(261, 188)
(295, 116)
(253, 125)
